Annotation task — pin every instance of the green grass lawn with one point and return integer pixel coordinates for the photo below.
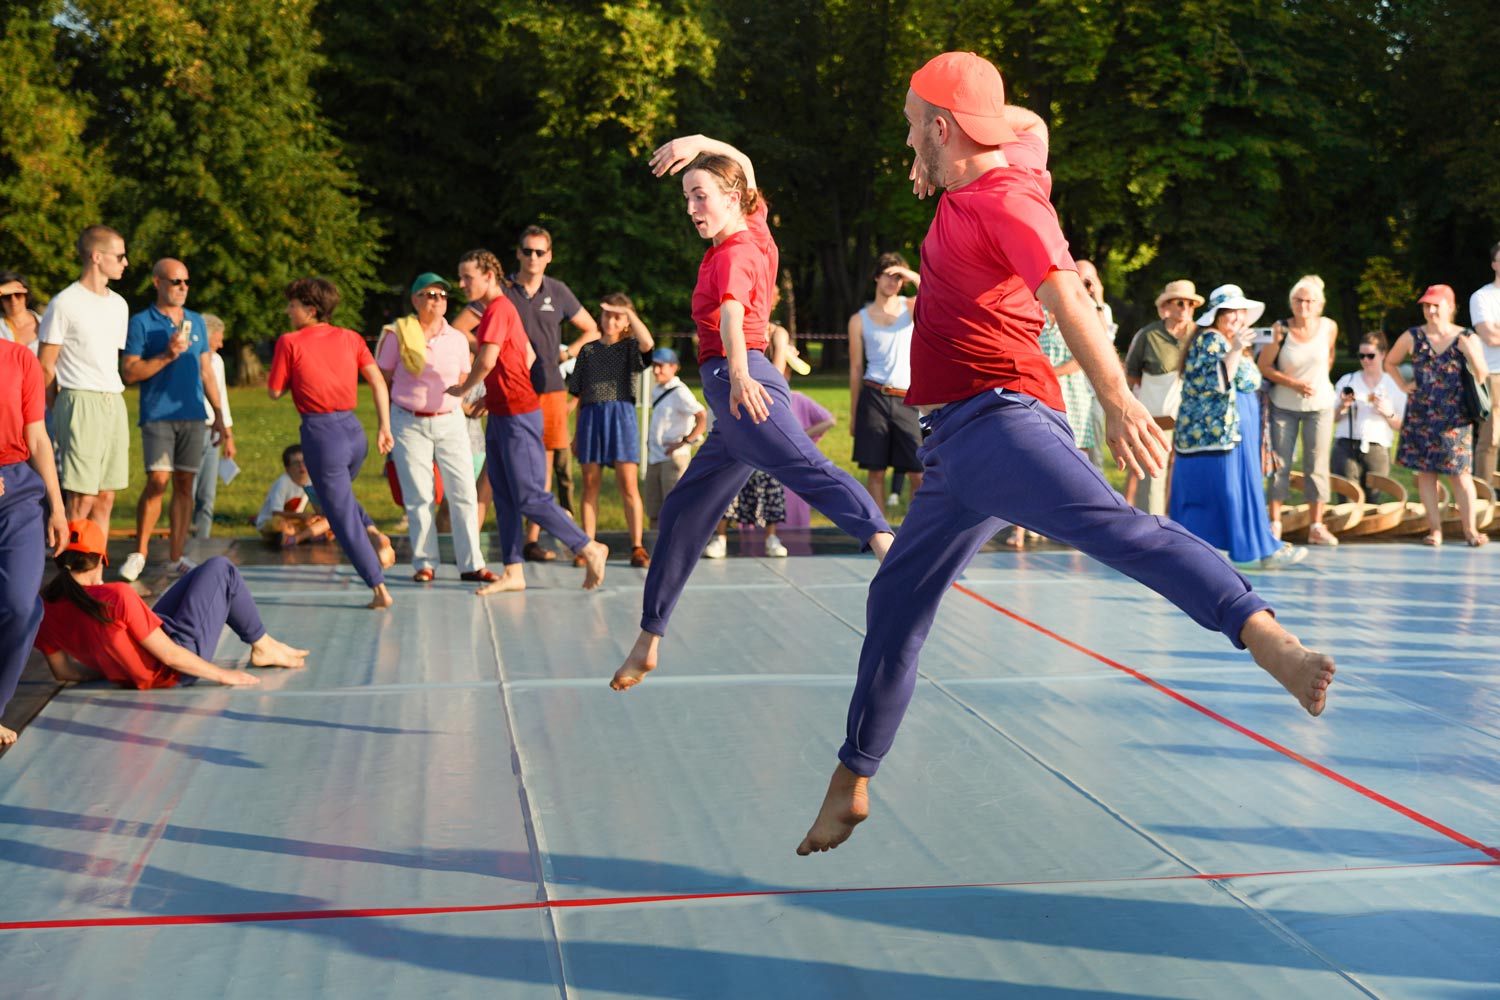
(263, 427)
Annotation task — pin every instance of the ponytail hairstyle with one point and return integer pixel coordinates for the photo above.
(63, 587)
(726, 170)
(488, 263)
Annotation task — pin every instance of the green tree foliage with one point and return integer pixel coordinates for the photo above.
(51, 182)
(219, 154)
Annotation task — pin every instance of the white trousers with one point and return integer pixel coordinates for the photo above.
(420, 441)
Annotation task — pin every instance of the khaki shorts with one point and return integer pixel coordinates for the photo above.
(555, 421)
(662, 476)
(93, 441)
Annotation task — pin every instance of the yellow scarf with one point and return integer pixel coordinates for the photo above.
(412, 343)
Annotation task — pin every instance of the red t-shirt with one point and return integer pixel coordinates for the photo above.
(20, 400)
(114, 649)
(991, 245)
(507, 388)
(742, 268)
(321, 363)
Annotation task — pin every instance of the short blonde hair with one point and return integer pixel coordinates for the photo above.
(1310, 282)
(213, 323)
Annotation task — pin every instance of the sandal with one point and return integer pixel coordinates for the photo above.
(1478, 540)
(640, 558)
(1433, 538)
(422, 576)
(533, 552)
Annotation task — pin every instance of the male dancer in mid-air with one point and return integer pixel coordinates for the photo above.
(999, 447)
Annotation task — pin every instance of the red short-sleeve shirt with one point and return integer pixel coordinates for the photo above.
(20, 400)
(114, 649)
(507, 388)
(321, 363)
(991, 245)
(742, 268)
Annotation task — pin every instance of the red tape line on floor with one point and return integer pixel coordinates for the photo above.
(277, 916)
(1327, 772)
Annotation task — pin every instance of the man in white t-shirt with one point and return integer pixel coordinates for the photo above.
(82, 334)
(678, 421)
(1484, 315)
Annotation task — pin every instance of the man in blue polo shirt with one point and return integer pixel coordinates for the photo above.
(544, 304)
(166, 352)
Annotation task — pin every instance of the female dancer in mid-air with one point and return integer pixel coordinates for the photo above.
(754, 426)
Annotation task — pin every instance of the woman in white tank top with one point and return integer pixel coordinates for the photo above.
(885, 430)
(1297, 363)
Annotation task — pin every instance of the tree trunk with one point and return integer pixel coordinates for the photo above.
(250, 370)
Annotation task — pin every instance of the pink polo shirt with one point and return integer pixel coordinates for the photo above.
(448, 363)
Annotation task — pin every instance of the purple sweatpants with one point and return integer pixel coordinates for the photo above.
(23, 556)
(334, 447)
(734, 448)
(196, 608)
(1007, 457)
(517, 465)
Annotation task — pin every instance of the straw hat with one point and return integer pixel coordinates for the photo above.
(1180, 289)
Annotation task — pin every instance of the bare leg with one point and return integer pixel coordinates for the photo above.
(485, 496)
(1315, 511)
(1304, 672)
(639, 662)
(1427, 489)
(875, 483)
(383, 548)
(7, 736)
(627, 478)
(1274, 508)
(180, 517)
(880, 544)
(381, 599)
(148, 509)
(1463, 494)
(512, 579)
(593, 481)
(846, 805)
(268, 651)
(1131, 485)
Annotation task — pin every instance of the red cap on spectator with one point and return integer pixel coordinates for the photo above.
(86, 536)
(969, 86)
(1438, 293)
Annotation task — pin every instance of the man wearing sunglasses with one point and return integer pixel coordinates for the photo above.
(166, 353)
(82, 334)
(544, 304)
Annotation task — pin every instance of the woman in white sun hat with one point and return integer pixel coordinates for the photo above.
(1217, 490)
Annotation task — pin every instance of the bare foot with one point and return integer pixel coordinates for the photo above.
(594, 556)
(880, 544)
(1302, 671)
(383, 548)
(381, 600)
(8, 736)
(512, 579)
(639, 662)
(846, 805)
(268, 651)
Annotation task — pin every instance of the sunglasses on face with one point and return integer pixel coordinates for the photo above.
(176, 282)
(1367, 357)
(14, 295)
(534, 252)
(433, 293)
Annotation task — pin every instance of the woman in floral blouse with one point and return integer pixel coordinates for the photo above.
(1218, 492)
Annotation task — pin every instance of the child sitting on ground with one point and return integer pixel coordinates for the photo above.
(287, 517)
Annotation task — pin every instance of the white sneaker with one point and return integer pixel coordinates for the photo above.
(1319, 534)
(130, 569)
(1287, 555)
(774, 548)
(717, 548)
(894, 500)
(183, 565)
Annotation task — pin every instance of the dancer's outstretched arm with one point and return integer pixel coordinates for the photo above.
(671, 157)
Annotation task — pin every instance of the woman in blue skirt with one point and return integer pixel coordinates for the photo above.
(1218, 492)
(608, 432)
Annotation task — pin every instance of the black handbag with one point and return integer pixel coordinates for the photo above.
(1476, 391)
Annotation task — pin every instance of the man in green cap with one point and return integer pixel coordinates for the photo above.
(421, 355)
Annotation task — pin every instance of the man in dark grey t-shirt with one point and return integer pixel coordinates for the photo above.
(544, 304)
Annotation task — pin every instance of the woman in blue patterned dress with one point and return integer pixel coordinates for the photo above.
(1217, 493)
(1435, 438)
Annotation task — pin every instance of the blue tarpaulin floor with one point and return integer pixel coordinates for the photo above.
(1091, 797)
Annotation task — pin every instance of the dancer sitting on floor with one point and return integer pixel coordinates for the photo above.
(1000, 447)
(94, 629)
(321, 364)
(514, 456)
(731, 306)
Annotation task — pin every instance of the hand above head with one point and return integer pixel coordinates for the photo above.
(671, 157)
(904, 273)
(617, 310)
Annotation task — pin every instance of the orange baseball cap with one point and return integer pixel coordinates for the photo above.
(87, 537)
(968, 85)
(1438, 293)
